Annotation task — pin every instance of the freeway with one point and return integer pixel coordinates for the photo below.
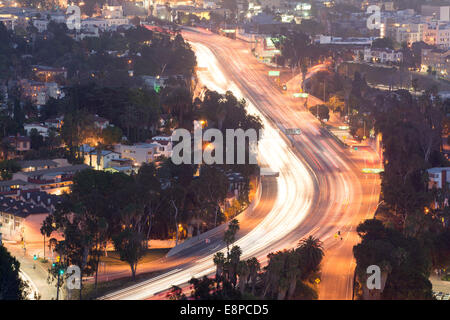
(320, 189)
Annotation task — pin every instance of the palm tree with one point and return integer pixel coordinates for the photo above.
(230, 234)
(6, 148)
(219, 261)
(254, 267)
(178, 103)
(274, 272)
(243, 272)
(233, 260)
(293, 272)
(310, 252)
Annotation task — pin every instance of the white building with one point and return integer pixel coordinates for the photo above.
(406, 32)
(139, 152)
(164, 145)
(382, 55)
(103, 24)
(437, 177)
(112, 12)
(91, 23)
(441, 13)
(100, 159)
(437, 34)
(41, 129)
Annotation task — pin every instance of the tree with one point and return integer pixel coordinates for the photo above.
(176, 293)
(219, 260)
(230, 233)
(254, 267)
(202, 288)
(111, 135)
(7, 168)
(233, 261)
(336, 104)
(383, 43)
(212, 189)
(36, 140)
(403, 262)
(6, 148)
(88, 215)
(243, 271)
(12, 287)
(178, 103)
(129, 244)
(311, 253)
(275, 284)
(321, 111)
(415, 84)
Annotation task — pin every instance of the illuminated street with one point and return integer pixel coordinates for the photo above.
(320, 190)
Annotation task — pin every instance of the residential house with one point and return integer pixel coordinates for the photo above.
(54, 180)
(35, 165)
(49, 74)
(39, 92)
(438, 34)
(121, 165)
(139, 152)
(40, 198)
(12, 187)
(54, 122)
(382, 55)
(21, 221)
(438, 60)
(18, 143)
(100, 159)
(40, 128)
(164, 145)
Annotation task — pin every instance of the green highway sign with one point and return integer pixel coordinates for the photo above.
(372, 170)
(301, 95)
(274, 73)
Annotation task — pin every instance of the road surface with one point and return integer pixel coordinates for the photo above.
(320, 189)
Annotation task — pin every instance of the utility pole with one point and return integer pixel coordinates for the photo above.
(57, 288)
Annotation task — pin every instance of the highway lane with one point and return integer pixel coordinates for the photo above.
(293, 195)
(346, 196)
(318, 189)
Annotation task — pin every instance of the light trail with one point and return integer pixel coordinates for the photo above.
(295, 190)
(318, 189)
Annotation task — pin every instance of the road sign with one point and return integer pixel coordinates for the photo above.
(274, 73)
(293, 131)
(317, 280)
(372, 170)
(301, 95)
